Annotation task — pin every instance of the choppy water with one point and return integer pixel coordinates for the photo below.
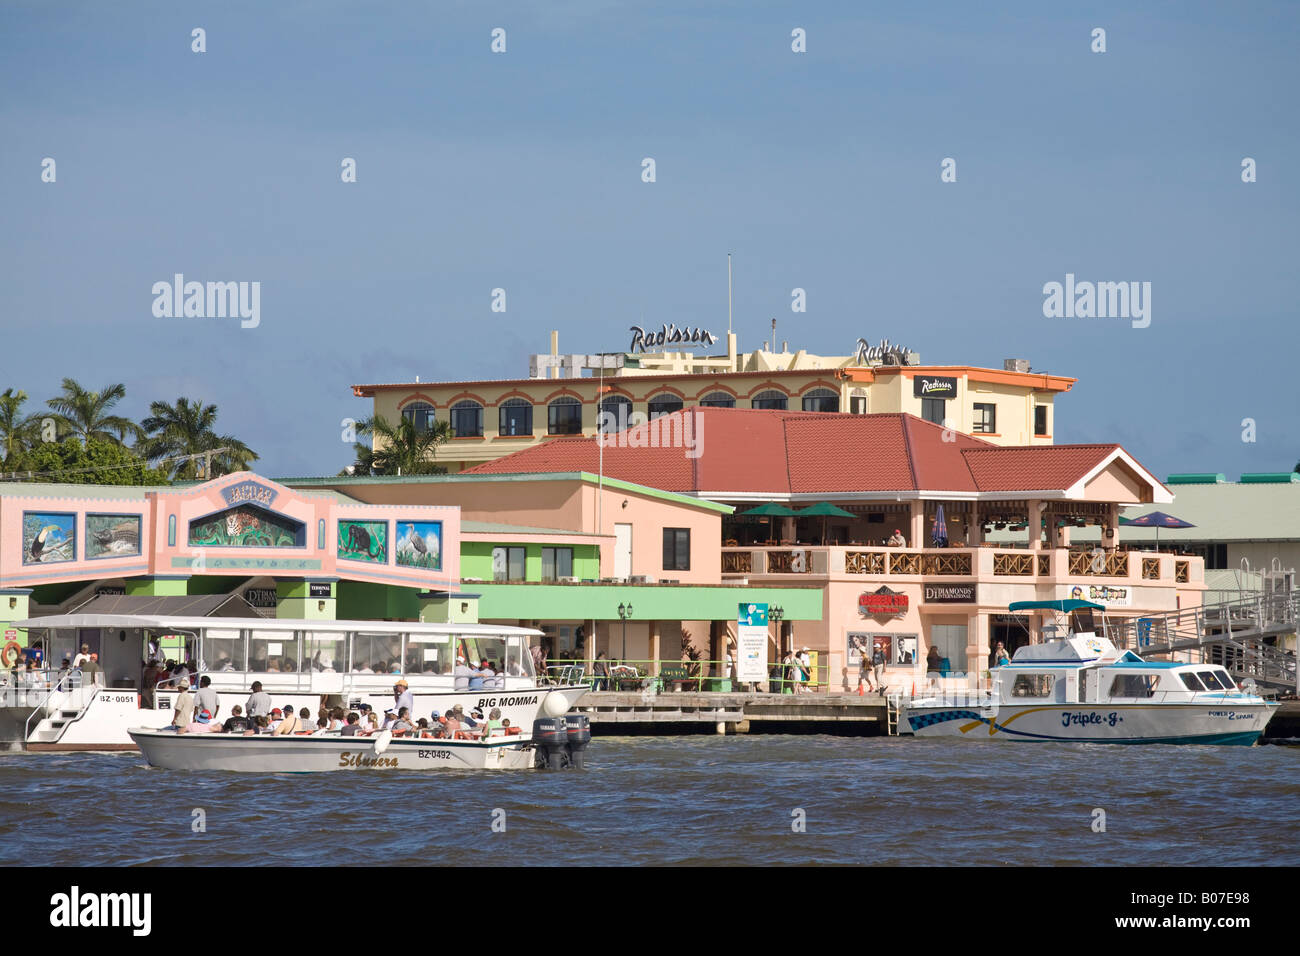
(692, 800)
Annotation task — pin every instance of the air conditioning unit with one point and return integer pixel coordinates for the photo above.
(641, 579)
(567, 580)
(1015, 365)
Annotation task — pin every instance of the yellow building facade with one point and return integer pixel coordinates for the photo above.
(565, 394)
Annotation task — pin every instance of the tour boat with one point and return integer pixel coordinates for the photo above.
(1083, 689)
(291, 753)
(299, 663)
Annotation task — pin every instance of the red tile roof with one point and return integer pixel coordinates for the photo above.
(782, 453)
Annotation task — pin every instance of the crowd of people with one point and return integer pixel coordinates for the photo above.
(199, 713)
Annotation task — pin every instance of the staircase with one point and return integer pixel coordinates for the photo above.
(49, 730)
(1234, 634)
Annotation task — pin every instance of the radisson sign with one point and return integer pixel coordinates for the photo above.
(884, 353)
(669, 334)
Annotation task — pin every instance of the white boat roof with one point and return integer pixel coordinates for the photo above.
(1076, 649)
(157, 622)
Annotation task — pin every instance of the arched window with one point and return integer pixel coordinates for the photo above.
(771, 399)
(821, 400)
(467, 420)
(615, 413)
(663, 405)
(564, 417)
(718, 400)
(420, 414)
(515, 417)
(858, 401)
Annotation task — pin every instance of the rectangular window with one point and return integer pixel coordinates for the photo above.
(508, 564)
(1033, 685)
(223, 650)
(557, 563)
(515, 420)
(324, 652)
(273, 652)
(1040, 420)
(376, 653)
(564, 418)
(677, 549)
(932, 409)
(986, 418)
(1134, 685)
(858, 404)
(467, 421)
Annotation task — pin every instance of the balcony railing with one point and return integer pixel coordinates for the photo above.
(1016, 563)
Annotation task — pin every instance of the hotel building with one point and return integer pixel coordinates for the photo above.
(565, 394)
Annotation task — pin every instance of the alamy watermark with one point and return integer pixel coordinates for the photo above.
(208, 300)
(624, 429)
(1101, 300)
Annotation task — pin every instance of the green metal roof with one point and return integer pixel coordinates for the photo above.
(1196, 478)
(1270, 478)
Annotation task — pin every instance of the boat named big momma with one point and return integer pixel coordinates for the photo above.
(1083, 689)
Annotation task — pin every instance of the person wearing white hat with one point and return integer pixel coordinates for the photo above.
(184, 713)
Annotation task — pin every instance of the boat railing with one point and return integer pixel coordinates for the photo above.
(68, 688)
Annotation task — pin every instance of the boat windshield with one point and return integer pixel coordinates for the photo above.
(1212, 681)
(1190, 682)
(1134, 685)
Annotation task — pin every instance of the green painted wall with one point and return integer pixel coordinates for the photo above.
(649, 602)
(359, 600)
(157, 587)
(476, 559)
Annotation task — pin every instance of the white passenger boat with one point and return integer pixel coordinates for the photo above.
(313, 754)
(1083, 689)
(299, 663)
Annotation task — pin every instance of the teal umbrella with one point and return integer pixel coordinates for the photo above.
(771, 509)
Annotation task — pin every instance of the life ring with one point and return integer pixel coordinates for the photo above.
(9, 656)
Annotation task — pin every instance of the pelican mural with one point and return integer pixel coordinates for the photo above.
(48, 537)
(419, 544)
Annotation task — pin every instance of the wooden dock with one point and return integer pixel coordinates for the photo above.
(687, 713)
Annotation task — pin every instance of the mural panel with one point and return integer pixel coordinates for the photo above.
(246, 527)
(419, 544)
(363, 541)
(49, 536)
(112, 536)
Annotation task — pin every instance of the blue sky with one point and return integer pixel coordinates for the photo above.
(522, 171)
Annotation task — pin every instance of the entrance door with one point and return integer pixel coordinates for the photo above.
(622, 550)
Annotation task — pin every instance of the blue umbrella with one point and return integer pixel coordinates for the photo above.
(940, 534)
(1157, 520)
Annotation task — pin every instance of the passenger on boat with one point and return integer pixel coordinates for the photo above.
(485, 677)
(184, 712)
(237, 723)
(451, 723)
(202, 724)
(493, 723)
(462, 673)
(401, 725)
(290, 725)
(206, 698)
(261, 725)
(305, 724)
(259, 702)
(353, 725)
(364, 668)
(422, 725)
(372, 724)
(402, 695)
(83, 656)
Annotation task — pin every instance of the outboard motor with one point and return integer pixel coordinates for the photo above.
(551, 735)
(579, 737)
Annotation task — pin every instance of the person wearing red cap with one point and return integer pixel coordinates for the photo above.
(896, 540)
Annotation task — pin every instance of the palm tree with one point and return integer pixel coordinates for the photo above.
(186, 428)
(400, 449)
(85, 414)
(16, 429)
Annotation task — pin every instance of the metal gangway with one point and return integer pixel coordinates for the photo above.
(1244, 635)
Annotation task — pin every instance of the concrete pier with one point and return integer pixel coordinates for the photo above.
(615, 713)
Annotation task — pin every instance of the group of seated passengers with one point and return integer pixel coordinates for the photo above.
(364, 722)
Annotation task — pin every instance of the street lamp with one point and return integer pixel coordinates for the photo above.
(624, 612)
(776, 614)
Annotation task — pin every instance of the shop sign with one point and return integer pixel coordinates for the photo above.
(318, 590)
(110, 589)
(882, 603)
(249, 492)
(884, 353)
(949, 594)
(1100, 594)
(261, 597)
(669, 334)
(751, 643)
(934, 386)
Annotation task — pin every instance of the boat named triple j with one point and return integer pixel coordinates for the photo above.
(1082, 688)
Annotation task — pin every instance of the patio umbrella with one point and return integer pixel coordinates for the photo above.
(940, 534)
(826, 510)
(1157, 520)
(769, 509)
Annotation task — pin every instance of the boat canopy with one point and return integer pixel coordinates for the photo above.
(165, 623)
(1064, 606)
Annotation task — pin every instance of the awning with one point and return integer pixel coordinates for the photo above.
(1064, 606)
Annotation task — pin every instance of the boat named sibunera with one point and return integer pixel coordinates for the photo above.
(298, 663)
(1082, 688)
